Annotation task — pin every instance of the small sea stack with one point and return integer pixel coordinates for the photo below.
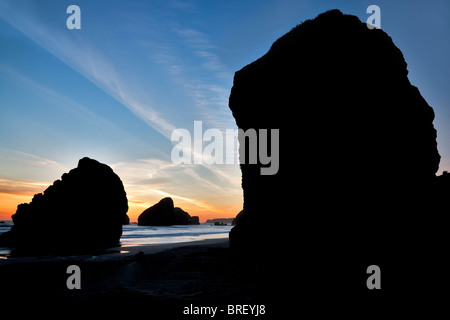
(164, 213)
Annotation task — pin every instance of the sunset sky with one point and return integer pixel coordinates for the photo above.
(116, 89)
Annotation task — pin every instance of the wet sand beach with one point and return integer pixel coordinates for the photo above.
(162, 278)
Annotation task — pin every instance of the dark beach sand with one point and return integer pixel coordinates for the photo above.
(158, 279)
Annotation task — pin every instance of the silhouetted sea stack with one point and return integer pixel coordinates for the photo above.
(164, 214)
(358, 154)
(160, 214)
(83, 210)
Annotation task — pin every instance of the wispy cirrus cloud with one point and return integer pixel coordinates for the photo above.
(195, 66)
(202, 47)
(198, 203)
(19, 187)
(55, 98)
(84, 57)
(211, 101)
(19, 157)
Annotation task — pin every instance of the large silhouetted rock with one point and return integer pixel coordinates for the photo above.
(164, 214)
(83, 210)
(358, 154)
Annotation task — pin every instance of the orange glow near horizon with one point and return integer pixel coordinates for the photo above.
(9, 203)
(135, 209)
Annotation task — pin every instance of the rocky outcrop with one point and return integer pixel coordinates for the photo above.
(236, 219)
(220, 221)
(194, 220)
(183, 218)
(126, 220)
(164, 214)
(357, 152)
(83, 210)
(160, 214)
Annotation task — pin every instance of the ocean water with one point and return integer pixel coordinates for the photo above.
(140, 235)
(135, 235)
(5, 226)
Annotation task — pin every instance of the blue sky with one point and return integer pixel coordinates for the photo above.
(117, 88)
